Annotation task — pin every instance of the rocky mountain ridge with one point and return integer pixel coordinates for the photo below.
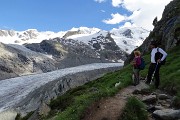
(167, 30)
(123, 36)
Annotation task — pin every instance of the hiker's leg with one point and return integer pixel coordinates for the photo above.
(134, 80)
(138, 76)
(157, 80)
(136, 73)
(150, 72)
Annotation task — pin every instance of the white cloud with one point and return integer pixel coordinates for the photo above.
(116, 3)
(116, 18)
(134, 15)
(128, 24)
(143, 11)
(100, 1)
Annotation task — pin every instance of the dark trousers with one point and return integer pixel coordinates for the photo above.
(136, 76)
(153, 68)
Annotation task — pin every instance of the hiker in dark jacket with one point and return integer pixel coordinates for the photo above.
(136, 62)
(155, 63)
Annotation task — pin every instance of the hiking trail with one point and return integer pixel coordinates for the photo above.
(110, 108)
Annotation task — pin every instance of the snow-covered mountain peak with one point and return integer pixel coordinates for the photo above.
(129, 38)
(132, 30)
(85, 30)
(32, 30)
(86, 38)
(27, 36)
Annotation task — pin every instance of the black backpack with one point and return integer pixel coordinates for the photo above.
(159, 55)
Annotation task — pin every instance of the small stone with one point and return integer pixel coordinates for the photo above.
(163, 96)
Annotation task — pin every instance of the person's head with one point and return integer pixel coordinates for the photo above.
(137, 53)
(153, 44)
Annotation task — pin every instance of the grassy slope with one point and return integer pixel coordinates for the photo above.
(171, 72)
(75, 101)
(71, 105)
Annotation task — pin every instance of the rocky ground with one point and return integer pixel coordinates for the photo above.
(158, 104)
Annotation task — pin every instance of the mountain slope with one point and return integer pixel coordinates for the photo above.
(17, 60)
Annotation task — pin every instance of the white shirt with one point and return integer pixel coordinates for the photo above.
(153, 52)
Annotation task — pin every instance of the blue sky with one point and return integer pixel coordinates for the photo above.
(61, 15)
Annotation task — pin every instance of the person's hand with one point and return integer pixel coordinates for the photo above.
(132, 63)
(159, 60)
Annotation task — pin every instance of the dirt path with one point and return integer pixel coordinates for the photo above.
(111, 108)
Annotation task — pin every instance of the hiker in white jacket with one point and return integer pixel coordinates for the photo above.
(156, 61)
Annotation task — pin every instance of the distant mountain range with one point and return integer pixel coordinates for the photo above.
(31, 52)
(126, 38)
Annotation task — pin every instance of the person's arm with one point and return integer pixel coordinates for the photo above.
(133, 62)
(164, 54)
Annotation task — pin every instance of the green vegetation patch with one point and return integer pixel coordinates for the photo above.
(134, 110)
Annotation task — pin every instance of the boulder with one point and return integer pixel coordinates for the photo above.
(167, 114)
(149, 99)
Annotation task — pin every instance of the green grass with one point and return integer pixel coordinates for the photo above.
(134, 110)
(170, 73)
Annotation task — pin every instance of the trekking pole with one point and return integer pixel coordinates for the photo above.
(154, 73)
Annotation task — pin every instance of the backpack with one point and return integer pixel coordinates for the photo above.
(142, 65)
(159, 55)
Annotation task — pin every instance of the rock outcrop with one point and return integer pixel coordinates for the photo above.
(166, 31)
